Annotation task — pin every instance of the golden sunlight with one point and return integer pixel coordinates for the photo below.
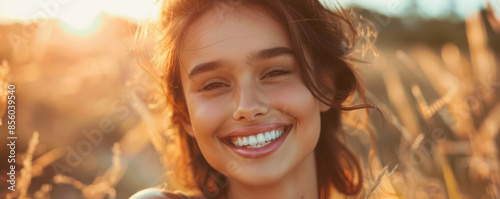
(79, 17)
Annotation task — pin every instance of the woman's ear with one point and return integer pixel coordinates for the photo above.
(323, 107)
(188, 128)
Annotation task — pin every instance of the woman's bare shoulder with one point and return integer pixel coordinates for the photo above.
(155, 193)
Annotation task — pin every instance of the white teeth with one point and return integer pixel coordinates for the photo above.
(259, 140)
(252, 140)
(240, 141)
(268, 136)
(273, 134)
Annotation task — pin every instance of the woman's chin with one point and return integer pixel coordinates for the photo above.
(256, 178)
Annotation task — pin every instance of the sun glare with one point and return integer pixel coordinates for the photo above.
(80, 25)
(79, 17)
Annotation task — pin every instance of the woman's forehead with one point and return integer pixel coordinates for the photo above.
(221, 24)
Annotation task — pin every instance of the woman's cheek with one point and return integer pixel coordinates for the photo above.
(293, 97)
(208, 114)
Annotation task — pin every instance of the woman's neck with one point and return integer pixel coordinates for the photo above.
(299, 183)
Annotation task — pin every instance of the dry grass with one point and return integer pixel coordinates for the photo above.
(4, 81)
(463, 120)
(103, 185)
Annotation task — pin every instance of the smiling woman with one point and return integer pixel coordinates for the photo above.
(255, 90)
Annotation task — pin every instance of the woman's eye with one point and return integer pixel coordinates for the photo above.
(214, 85)
(275, 73)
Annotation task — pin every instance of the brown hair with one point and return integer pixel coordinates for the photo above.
(327, 37)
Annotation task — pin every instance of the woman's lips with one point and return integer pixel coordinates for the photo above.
(258, 149)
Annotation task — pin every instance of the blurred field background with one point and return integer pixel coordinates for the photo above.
(85, 116)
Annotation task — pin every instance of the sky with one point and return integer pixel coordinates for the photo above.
(424, 8)
(76, 12)
(83, 12)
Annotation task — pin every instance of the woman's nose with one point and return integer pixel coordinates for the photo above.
(249, 104)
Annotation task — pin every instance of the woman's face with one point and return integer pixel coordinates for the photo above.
(251, 114)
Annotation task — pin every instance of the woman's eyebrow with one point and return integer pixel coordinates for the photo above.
(270, 53)
(206, 67)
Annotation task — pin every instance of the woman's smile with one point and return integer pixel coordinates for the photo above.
(257, 141)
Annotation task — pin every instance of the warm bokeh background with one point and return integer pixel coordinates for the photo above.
(432, 71)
